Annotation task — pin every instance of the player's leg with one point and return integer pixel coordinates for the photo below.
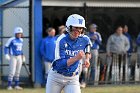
(73, 86)
(72, 89)
(12, 69)
(17, 73)
(54, 82)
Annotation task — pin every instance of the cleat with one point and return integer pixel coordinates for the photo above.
(9, 88)
(18, 88)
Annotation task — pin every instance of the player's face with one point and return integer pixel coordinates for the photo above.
(76, 31)
(19, 35)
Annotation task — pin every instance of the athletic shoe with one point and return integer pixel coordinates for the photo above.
(83, 85)
(9, 88)
(18, 88)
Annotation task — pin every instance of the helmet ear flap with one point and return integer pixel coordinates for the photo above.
(70, 28)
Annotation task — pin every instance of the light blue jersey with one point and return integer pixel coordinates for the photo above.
(65, 49)
(14, 46)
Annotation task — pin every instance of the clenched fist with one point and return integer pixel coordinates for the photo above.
(80, 55)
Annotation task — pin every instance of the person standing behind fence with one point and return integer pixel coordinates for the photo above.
(14, 54)
(138, 49)
(96, 40)
(117, 43)
(129, 52)
(47, 49)
(62, 30)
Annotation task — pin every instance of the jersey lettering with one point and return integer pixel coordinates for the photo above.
(72, 53)
(18, 46)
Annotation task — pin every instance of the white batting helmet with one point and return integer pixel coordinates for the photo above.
(75, 20)
(18, 30)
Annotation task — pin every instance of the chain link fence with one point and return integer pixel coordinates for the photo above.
(15, 14)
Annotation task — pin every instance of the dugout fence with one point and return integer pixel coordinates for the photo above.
(116, 69)
(13, 14)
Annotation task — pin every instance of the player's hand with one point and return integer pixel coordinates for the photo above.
(86, 63)
(80, 55)
(23, 58)
(7, 57)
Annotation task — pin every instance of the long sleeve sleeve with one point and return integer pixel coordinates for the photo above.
(108, 45)
(127, 45)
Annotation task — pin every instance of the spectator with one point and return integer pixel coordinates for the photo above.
(47, 49)
(125, 31)
(61, 30)
(138, 48)
(117, 44)
(96, 40)
(129, 52)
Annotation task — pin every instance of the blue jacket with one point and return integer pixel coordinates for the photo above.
(47, 48)
(14, 46)
(138, 40)
(130, 42)
(97, 42)
(65, 49)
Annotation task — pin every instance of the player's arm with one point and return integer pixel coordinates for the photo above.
(60, 54)
(6, 48)
(72, 60)
(87, 56)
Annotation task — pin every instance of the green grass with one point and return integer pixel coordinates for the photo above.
(106, 89)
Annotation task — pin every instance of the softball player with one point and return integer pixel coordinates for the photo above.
(14, 54)
(70, 48)
(96, 40)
